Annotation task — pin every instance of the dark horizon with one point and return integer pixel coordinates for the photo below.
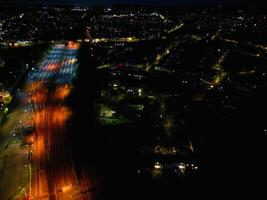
(134, 2)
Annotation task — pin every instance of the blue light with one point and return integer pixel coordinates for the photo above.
(58, 54)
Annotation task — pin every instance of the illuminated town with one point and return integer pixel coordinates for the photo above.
(130, 102)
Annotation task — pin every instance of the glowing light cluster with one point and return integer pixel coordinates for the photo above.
(73, 45)
(62, 92)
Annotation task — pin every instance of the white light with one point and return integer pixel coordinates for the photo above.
(181, 166)
(157, 165)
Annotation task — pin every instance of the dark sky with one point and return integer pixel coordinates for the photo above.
(156, 2)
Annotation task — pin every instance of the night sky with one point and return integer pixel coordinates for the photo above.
(153, 2)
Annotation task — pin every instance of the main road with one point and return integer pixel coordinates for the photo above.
(53, 174)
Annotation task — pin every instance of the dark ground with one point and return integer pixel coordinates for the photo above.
(233, 158)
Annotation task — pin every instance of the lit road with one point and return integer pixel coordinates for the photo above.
(159, 57)
(162, 54)
(177, 27)
(220, 72)
(53, 175)
(134, 39)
